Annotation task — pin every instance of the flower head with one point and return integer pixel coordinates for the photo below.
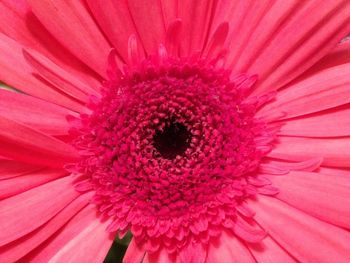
(171, 151)
(209, 137)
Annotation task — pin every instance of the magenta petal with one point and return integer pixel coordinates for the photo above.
(229, 249)
(334, 151)
(38, 205)
(61, 79)
(321, 195)
(269, 251)
(18, 22)
(71, 25)
(16, 72)
(193, 253)
(325, 90)
(145, 18)
(159, 256)
(285, 44)
(11, 169)
(133, 253)
(195, 26)
(83, 239)
(31, 146)
(38, 114)
(340, 55)
(20, 247)
(28, 181)
(303, 236)
(115, 20)
(329, 123)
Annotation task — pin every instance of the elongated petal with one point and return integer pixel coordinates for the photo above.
(192, 253)
(317, 241)
(38, 114)
(268, 251)
(93, 238)
(169, 9)
(334, 151)
(74, 28)
(18, 22)
(116, 22)
(11, 169)
(20, 247)
(338, 56)
(16, 72)
(323, 196)
(329, 123)
(283, 44)
(195, 26)
(159, 256)
(228, 249)
(146, 16)
(31, 146)
(335, 171)
(134, 253)
(327, 89)
(38, 205)
(84, 233)
(244, 17)
(58, 77)
(28, 181)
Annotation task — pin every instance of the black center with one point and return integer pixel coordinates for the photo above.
(173, 140)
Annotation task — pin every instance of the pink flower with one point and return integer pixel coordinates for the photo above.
(214, 131)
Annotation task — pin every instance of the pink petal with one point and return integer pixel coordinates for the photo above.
(28, 181)
(58, 77)
(284, 44)
(335, 171)
(192, 253)
(160, 256)
(329, 123)
(19, 23)
(16, 72)
(196, 17)
(169, 9)
(23, 213)
(11, 19)
(228, 249)
(323, 196)
(146, 17)
(11, 169)
(115, 20)
(31, 146)
(268, 251)
(281, 167)
(134, 253)
(216, 42)
(340, 55)
(74, 28)
(247, 231)
(83, 239)
(243, 17)
(335, 151)
(173, 38)
(327, 89)
(44, 116)
(20, 247)
(305, 237)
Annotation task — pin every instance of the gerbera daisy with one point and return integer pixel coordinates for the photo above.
(212, 131)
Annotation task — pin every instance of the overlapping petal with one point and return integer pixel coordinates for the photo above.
(56, 52)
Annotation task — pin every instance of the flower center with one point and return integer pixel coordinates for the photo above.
(170, 151)
(173, 140)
